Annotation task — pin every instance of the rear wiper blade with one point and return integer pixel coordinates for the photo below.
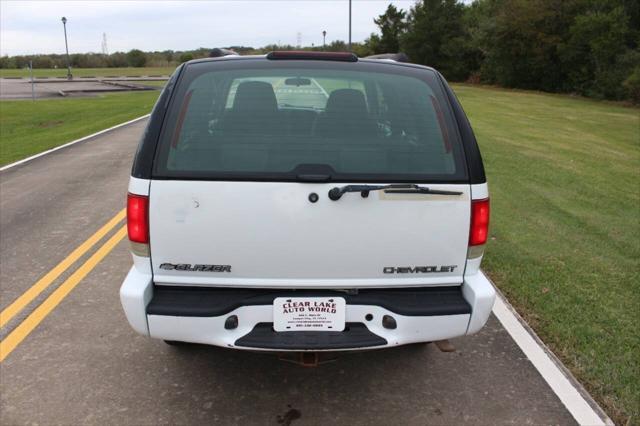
(336, 193)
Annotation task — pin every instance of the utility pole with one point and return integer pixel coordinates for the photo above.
(349, 25)
(324, 40)
(66, 45)
(33, 91)
(105, 49)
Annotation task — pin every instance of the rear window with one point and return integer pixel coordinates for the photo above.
(269, 120)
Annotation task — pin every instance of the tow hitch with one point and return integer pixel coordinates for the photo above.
(445, 346)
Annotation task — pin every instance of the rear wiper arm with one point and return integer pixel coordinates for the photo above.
(336, 193)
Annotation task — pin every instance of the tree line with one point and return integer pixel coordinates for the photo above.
(132, 58)
(587, 47)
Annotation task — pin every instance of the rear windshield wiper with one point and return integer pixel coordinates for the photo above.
(336, 193)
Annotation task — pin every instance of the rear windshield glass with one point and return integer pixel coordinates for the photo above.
(271, 122)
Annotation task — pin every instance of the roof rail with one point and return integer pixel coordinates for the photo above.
(217, 52)
(398, 57)
(312, 55)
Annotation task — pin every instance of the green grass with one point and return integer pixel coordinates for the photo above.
(27, 128)
(88, 72)
(564, 176)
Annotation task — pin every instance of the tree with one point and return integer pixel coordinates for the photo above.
(7, 62)
(584, 46)
(136, 58)
(520, 42)
(361, 49)
(117, 60)
(185, 57)
(337, 46)
(436, 36)
(596, 56)
(392, 25)
(632, 85)
(168, 56)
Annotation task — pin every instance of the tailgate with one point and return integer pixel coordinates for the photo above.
(268, 234)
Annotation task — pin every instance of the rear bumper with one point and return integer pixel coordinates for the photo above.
(198, 315)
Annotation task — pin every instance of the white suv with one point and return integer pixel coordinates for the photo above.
(307, 201)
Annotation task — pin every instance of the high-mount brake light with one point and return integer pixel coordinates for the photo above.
(138, 223)
(313, 56)
(479, 230)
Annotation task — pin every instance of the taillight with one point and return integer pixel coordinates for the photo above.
(479, 230)
(138, 223)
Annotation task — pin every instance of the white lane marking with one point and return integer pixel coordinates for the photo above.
(33, 157)
(530, 344)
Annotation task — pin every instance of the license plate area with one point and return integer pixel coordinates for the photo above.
(309, 314)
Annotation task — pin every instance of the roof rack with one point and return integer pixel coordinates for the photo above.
(218, 52)
(312, 55)
(398, 57)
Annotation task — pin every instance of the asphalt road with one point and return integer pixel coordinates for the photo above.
(82, 364)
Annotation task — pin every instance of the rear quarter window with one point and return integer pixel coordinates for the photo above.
(264, 120)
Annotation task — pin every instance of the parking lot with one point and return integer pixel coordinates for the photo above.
(20, 88)
(77, 361)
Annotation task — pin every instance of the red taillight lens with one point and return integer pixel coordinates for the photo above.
(479, 222)
(138, 218)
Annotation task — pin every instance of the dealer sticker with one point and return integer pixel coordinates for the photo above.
(309, 314)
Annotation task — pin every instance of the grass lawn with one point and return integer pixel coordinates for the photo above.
(564, 176)
(27, 127)
(88, 72)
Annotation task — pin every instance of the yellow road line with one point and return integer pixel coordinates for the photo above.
(40, 313)
(27, 297)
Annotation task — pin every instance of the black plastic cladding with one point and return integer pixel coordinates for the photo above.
(469, 143)
(143, 161)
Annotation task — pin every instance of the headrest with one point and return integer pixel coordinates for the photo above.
(350, 102)
(255, 96)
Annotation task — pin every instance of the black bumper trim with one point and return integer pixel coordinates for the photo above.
(217, 301)
(355, 335)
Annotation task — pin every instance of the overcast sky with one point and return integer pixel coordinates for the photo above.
(28, 27)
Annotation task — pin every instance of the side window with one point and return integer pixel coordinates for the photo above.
(198, 112)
